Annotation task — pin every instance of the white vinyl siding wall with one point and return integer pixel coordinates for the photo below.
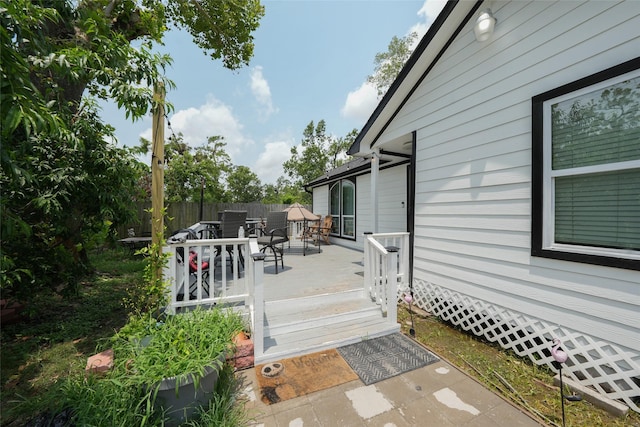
(321, 200)
(392, 191)
(472, 115)
(364, 219)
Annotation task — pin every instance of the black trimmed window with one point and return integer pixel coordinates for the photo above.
(586, 169)
(342, 206)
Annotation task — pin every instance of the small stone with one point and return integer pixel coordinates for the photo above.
(100, 362)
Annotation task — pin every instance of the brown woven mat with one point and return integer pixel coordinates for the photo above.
(289, 378)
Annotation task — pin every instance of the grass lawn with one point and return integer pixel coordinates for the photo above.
(60, 333)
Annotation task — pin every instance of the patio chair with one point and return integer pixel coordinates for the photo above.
(181, 236)
(321, 230)
(274, 235)
(229, 227)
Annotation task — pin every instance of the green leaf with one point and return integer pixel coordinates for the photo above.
(11, 120)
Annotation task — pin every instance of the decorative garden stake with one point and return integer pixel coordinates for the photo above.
(409, 298)
(560, 357)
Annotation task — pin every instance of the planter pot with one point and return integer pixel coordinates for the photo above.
(181, 401)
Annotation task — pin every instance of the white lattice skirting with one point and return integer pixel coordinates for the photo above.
(611, 370)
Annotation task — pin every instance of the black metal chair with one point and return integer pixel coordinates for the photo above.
(274, 235)
(229, 228)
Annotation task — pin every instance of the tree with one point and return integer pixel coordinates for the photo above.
(243, 185)
(56, 198)
(217, 166)
(86, 44)
(60, 179)
(318, 152)
(388, 64)
(313, 158)
(283, 192)
(338, 149)
(191, 172)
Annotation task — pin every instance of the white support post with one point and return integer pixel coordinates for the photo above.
(367, 264)
(391, 291)
(170, 275)
(375, 166)
(257, 310)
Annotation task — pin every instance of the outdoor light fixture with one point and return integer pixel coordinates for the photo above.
(484, 25)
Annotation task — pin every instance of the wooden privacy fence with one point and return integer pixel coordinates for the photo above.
(184, 214)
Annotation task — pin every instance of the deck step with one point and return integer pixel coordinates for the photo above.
(304, 325)
(291, 315)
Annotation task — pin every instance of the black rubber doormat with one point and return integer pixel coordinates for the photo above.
(384, 357)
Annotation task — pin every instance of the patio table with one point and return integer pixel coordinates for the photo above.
(135, 243)
(213, 227)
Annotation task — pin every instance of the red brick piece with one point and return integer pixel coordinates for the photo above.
(100, 362)
(240, 363)
(243, 356)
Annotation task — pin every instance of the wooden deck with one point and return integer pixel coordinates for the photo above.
(317, 302)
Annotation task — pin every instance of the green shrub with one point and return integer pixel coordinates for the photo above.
(175, 345)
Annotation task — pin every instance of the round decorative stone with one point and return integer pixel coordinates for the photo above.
(271, 370)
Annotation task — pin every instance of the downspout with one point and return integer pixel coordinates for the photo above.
(411, 211)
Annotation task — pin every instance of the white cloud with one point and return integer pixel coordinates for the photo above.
(428, 12)
(360, 103)
(216, 118)
(262, 93)
(269, 164)
(211, 119)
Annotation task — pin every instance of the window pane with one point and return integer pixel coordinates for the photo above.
(348, 226)
(335, 207)
(335, 200)
(348, 198)
(599, 209)
(599, 127)
(348, 208)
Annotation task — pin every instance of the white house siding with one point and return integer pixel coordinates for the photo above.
(364, 217)
(472, 115)
(321, 200)
(392, 199)
(392, 204)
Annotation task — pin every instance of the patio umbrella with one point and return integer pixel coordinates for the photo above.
(297, 212)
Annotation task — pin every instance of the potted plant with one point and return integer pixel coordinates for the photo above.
(178, 357)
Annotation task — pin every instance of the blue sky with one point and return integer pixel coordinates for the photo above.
(311, 62)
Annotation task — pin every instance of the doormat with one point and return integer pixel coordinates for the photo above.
(298, 376)
(384, 357)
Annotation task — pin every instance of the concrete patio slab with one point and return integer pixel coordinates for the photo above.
(435, 395)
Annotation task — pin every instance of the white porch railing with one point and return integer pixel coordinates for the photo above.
(208, 271)
(386, 269)
(220, 279)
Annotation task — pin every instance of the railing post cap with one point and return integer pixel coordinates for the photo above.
(368, 232)
(392, 248)
(258, 256)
